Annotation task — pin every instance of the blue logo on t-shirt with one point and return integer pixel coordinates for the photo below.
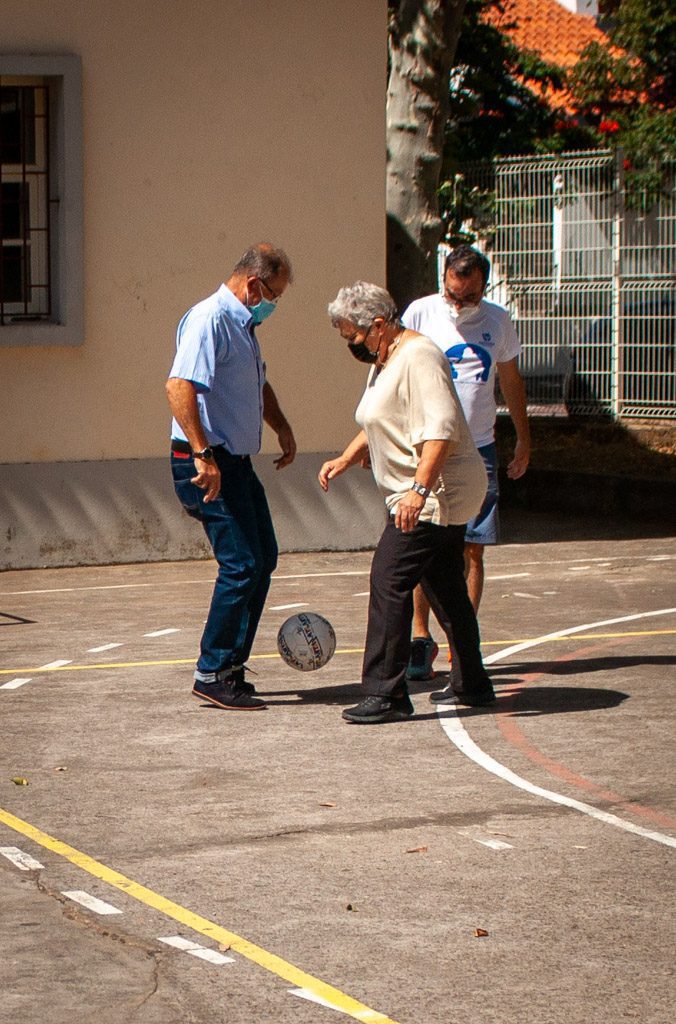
(456, 353)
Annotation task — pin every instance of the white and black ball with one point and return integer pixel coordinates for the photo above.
(306, 641)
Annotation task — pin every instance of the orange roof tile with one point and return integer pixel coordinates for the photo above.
(546, 27)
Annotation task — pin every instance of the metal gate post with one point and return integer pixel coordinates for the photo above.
(616, 347)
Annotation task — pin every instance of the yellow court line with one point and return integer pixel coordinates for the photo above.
(344, 650)
(269, 961)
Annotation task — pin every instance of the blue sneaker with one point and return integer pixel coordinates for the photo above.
(423, 652)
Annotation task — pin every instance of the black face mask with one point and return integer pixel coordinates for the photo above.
(361, 351)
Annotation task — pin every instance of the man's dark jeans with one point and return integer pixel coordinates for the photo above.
(433, 556)
(242, 537)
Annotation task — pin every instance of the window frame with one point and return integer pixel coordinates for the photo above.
(63, 76)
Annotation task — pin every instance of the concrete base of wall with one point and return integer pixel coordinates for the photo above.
(587, 494)
(97, 513)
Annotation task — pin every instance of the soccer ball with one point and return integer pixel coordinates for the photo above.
(306, 641)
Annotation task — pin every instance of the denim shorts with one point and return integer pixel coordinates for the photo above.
(485, 527)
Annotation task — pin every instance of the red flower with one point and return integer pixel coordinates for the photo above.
(610, 127)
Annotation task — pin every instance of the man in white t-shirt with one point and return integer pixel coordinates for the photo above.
(479, 339)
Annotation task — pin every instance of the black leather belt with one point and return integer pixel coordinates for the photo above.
(182, 447)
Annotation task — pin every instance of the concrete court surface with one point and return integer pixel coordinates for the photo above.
(323, 861)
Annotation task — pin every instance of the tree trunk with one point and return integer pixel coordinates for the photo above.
(422, 39)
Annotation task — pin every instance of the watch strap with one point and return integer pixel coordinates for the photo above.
(206, 453)
(419, 489)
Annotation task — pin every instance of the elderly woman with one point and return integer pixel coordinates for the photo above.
(432, 479)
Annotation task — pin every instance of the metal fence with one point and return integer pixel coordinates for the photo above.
(587, 272)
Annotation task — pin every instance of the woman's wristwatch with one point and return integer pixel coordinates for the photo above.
(419, 489)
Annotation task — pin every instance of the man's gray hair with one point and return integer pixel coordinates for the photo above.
(360, 303)
(265, 261)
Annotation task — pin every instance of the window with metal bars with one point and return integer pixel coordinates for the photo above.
(41, 201)
(25, 291)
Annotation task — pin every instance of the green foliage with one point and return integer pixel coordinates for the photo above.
(626, 96)
(498, 107)
(501, 104)
(495, 111)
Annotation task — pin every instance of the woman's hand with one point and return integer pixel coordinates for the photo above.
(331, 469)
(408, 511)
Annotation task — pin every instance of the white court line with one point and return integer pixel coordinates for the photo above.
(284, 607)
(194, 949)
(91, 902)
(21, 860)
(56, 664)
(305, 993)
(172, 583)
(363, 593)
(317, 575)
(103, 647)
(509, 576)
(457, 734)
(162, 632)
(579, 568)
(14, 684)
(520, 593)
(479, 836)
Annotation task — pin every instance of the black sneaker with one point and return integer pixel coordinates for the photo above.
(379, 709)
(402, 702)
(240, 682)
(478, 699)
(227, 695)
(445, 696)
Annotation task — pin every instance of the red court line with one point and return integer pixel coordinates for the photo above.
(514, 735)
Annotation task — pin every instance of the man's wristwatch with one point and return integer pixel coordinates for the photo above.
(206, 454)
(419, 489)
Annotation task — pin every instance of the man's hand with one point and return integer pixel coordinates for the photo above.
(287, 443)
(208, 478)
(408, 511)
(331, 469)
(519, 463)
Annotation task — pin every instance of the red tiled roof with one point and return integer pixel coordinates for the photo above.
(546, 27)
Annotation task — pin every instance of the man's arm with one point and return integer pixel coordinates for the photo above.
(514, 391)
(275, 418)
(182, 397)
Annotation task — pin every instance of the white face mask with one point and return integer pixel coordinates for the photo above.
(461, 316)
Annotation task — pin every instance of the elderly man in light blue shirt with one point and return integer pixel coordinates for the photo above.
(219, 398)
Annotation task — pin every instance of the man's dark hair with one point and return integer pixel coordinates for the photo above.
(464, 259)
(265, 261)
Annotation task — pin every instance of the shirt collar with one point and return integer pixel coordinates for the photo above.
(231, 304)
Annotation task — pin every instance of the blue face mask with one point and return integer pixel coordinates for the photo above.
(262, 310)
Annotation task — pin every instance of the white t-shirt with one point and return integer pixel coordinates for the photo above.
(413, 400)
(487, 336)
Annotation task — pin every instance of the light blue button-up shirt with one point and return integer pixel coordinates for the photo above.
(217, 350)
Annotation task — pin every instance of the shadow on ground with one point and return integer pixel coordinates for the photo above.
(532, 700)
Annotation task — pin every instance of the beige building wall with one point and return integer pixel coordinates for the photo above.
(207, 125)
